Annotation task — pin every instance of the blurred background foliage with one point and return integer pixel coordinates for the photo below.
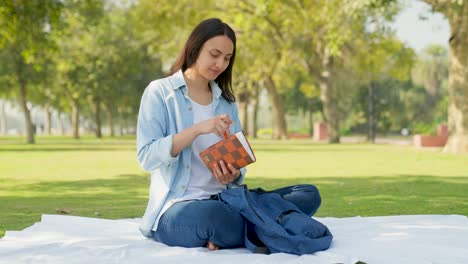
(85, 64)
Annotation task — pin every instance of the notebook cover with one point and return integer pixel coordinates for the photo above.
(230, 151)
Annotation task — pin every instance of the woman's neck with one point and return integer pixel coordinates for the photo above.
(198, 87)
(195, 81)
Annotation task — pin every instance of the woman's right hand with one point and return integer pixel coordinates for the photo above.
(217, 125)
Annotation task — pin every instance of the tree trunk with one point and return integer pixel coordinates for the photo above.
(255, 104)
(310, 117)
(97, 116)
(3, 119)
(124, 126)
(120, 121)
(27, 113)
(329, 101)
(76, 118)
(458, 82)
(370, 115)
(28, 126)
(280, 128)
(48, 121)
(121, 132)
(243, 101)
(60, 124)
(110, 116)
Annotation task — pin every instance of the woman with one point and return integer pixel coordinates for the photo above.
(181, 115)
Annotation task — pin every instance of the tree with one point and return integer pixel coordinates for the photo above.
(73, 59)
(124, 67)
(263, 30)
(431, 71)
(24, 31)
(456, 11)
(381, 57)
(6, 94)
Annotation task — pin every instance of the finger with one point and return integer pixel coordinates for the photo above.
(219, 130)
(230, 177)
(226, 119)
(218, 174)
(222, 124)
(225, 128)
(224, 169)
(234, 172)
(216, 171)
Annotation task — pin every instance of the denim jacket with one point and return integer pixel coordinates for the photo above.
(166, 110)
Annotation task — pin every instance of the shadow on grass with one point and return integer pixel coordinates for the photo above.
(126, 196)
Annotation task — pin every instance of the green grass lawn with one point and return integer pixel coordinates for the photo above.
(101, 178)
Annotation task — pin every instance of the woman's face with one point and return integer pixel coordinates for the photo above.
(214, 57)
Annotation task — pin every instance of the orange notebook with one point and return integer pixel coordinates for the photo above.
(234, 149)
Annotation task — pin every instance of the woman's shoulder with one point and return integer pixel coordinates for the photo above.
(162, 86)
(159, 84)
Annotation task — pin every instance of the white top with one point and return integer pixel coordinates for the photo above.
(202, 183)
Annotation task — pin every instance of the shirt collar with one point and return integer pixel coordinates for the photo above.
(179, 82)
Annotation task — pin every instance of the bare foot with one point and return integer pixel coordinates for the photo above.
(212, 246)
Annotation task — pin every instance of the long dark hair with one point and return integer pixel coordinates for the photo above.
(206, 30)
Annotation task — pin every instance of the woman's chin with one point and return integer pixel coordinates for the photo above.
(212, 75)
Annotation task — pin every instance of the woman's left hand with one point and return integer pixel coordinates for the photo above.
(225, 173)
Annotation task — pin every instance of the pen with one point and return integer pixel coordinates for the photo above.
(225, 132)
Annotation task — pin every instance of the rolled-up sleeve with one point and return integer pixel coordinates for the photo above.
(153, 142)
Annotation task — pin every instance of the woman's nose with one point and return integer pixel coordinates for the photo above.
(221, 63)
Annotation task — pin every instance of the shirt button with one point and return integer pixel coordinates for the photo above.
(190, 108)
(188, 167)
(182, 187)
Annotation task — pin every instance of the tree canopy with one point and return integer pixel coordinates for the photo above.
(93, 59)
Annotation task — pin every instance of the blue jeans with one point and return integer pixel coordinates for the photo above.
(193, 223)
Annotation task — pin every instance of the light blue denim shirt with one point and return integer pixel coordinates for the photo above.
(166, 110)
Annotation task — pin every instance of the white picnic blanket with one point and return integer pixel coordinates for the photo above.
(408, 239)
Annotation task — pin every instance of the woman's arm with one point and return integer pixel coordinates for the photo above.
(155, 147)
(218, 125)
(154, 144)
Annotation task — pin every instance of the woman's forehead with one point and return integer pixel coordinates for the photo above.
(221, 44)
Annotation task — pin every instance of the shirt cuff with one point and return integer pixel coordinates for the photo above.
(166, 144)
